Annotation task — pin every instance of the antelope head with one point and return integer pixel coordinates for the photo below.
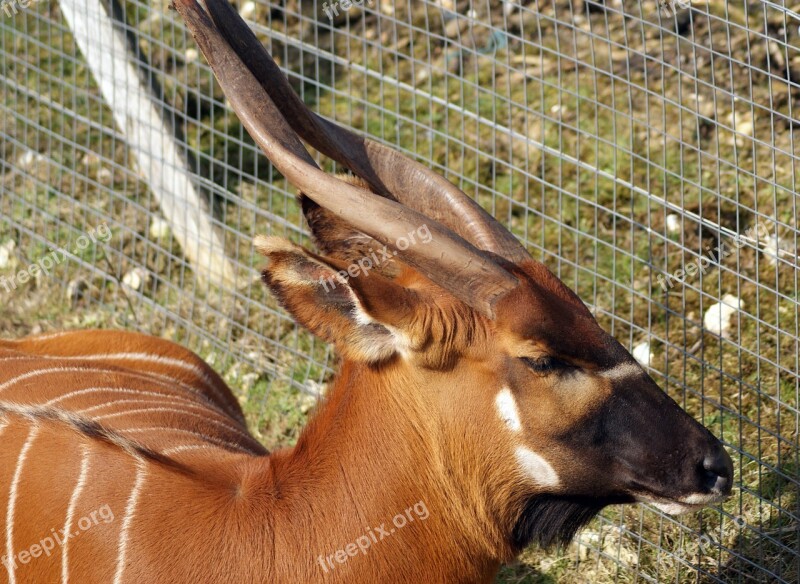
(539, 415)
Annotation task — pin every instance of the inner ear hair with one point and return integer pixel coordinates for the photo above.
(321, 295)
(336, 238)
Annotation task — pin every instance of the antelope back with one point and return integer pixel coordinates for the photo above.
(104, 435)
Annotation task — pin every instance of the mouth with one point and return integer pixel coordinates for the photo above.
(679, 506)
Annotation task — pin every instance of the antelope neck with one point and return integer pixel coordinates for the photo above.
(367, 457)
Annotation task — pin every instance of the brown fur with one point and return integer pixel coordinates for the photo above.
(254, 519)
(410, 419)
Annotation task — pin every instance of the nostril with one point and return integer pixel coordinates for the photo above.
(713, 465)
(712, 480)
(717, 472)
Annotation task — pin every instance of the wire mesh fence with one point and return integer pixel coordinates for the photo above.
(644, 151)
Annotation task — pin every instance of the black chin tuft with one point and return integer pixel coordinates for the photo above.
(549, 520)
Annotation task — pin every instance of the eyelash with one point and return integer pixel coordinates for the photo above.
(545, 364)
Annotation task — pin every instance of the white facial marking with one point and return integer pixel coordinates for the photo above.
(622, 371)
(507, 409)
(536, 467)
(686, 504)
(676, 508)
(699, 499)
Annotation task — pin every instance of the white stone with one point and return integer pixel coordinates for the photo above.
(29, 158)
(136, 279)
(247, 10)
(718, 318)
(742, 123)
(76, 289)
(104, 176)
(643, 354)
(6, 254)
(159, 228)
(673, 223)
(316, 389)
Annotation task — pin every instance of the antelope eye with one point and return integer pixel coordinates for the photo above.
(545, 364)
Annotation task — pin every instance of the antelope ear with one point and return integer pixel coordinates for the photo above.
(358, 311)
(338, 239)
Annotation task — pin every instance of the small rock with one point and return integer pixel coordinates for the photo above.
(104, 176)
(719, 317)
(742, 123)
(387, 8)
(6, 254)
(29, 158)
(316, 389)
(547, 564)
(90, 159)
(588, 539)
(76, 289)
(643, 354)
(247, 10)
(307, 403)
(136, 279)
(673, 223)
(455, 27)
(159, 228)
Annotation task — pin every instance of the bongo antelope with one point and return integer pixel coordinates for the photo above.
(474, 386)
